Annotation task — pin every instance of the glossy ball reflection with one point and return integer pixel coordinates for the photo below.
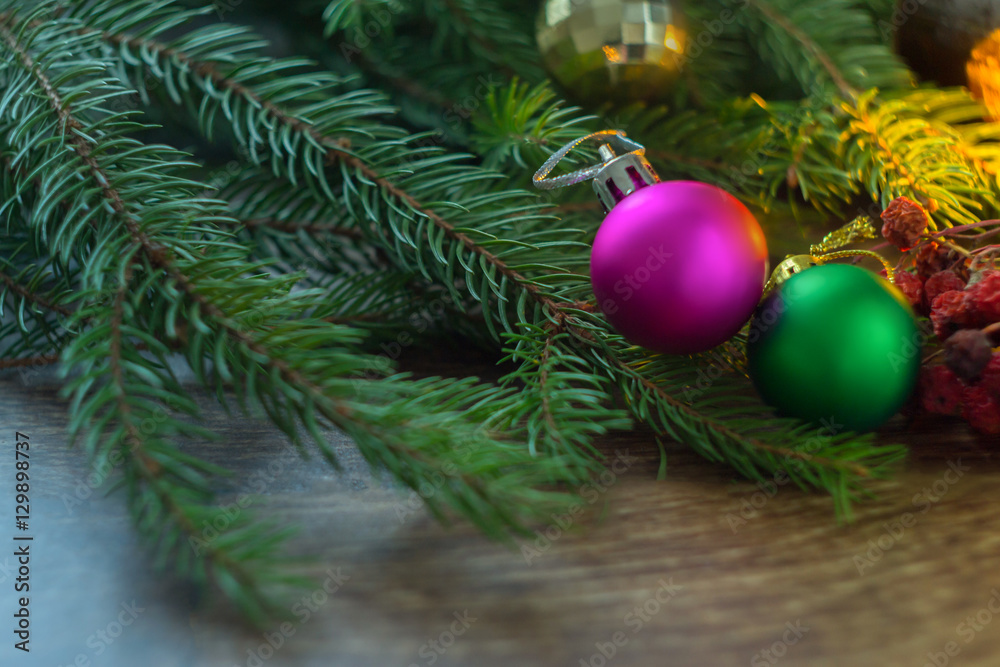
(679, 266)
(617, 50)
(836, 345)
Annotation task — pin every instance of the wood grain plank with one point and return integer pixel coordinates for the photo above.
(739, 586)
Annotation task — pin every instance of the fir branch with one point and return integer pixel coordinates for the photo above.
(725, 431)
(898, 151)
(291, 226)
(744, 436)
(152, 472)
(33, 296)
(519, 126)
(558, 306)
(847, 91)
(341, 15)
(821, 42)
(337, 150)
(564, 400)
(299, 369)
(126, 404)
(479, 31)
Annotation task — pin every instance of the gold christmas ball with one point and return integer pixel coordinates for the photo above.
(612, 50)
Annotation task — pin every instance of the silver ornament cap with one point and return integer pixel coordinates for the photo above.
(621, 176)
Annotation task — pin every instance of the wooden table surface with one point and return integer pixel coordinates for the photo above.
(700, 569)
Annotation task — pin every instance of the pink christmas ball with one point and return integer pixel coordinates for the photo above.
(678, 267)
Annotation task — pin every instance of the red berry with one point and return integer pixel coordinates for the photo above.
(912, 288)
(941, 282)
(984, 298)
(991, 374)
(904, 221)
(981, 409)
(949, 313)
(966, 352)
(941, 391)
(931, 258)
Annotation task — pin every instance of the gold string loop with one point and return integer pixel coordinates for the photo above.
(860, 228)
(798, 263)
(890, 273)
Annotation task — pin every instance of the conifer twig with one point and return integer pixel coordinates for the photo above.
(846, 89)
(28, 294)
(337, 150)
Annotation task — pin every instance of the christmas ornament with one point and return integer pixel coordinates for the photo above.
(834, 343)
(676, 267)
(622, 50)
(954, 43)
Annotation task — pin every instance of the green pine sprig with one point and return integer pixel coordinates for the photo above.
(355, 217)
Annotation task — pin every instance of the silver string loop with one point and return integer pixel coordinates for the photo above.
(614, 138)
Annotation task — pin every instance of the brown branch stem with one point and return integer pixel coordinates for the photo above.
(34, 297)
(336, 410)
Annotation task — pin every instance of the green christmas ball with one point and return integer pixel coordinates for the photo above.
(612, 50)
(835, 344)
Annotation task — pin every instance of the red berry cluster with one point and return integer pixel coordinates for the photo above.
(964, 310)
(968, 383)
(943, 392)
